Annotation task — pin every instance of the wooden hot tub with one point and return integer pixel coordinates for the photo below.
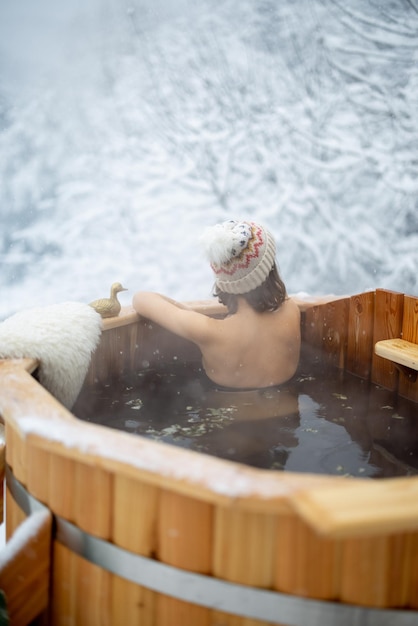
(151, 535)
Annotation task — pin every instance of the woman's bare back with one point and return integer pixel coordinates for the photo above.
(251, 349)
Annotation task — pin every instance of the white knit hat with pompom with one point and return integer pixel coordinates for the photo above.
(241, 255)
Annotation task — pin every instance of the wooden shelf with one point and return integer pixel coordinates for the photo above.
(399, 351)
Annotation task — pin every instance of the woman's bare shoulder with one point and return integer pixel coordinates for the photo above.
(290, 308)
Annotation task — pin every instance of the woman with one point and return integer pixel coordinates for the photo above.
(257, 344)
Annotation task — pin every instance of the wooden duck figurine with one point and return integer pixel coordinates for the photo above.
(109, 307)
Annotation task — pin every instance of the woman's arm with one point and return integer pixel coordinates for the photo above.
(180, 305)
(174, 316)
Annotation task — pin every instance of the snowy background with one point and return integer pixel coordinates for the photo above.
(126, 127)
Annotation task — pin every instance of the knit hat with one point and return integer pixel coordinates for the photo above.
(240, 253)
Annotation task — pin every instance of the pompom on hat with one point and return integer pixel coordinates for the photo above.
(241, 255)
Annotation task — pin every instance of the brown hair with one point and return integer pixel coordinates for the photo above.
(269, 296)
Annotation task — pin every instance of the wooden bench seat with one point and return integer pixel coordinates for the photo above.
(399, 351)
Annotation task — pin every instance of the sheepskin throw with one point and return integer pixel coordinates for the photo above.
(62, 337)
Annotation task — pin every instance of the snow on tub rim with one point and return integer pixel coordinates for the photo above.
(149, 533)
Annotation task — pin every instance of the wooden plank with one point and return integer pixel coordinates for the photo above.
(243, 552)
(82, 591)
(25, 569)
(185, 540)
(136, 532)
(61, 502)
(408, 388)
(114, 354)
(360, 334)
(38, 473)
(92, 495)
(413, 572)
(307, 564)
(360, 508)
(387, 325)
(64, 588)
(19, 394)
(61, 494)
(132, 604)
(336, 332)
(398, 351)
(16, 453)
(92, 594)
(179, 542)
(403, 587)
(27, 364)
(244, 547)
(325, 328)
(92, 489)
(376, 571)
(312, 327)
(14, 515)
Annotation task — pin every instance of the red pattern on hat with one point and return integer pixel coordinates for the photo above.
(244, 259)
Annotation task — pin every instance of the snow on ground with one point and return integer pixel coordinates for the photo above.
(127, 128)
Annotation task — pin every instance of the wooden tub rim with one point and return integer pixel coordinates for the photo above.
(203, 590)
(332, 505)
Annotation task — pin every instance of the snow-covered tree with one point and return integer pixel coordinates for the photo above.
(140, 123)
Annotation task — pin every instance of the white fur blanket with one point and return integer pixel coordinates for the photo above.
(62, 337)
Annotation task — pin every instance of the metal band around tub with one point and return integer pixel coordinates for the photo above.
(213, 593)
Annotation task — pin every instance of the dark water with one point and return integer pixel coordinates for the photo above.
(323, 421)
